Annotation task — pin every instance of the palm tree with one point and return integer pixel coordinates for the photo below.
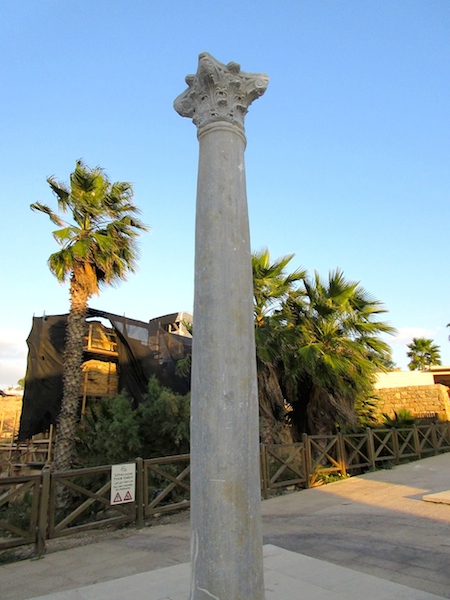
(318, 348)
(98, 247)
(336, 354)
(423, 353)
(271, 287)
(271, 284)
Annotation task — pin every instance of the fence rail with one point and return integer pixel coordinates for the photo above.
(28, 504)
(14, 456)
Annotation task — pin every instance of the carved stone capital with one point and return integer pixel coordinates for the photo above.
(219, 92)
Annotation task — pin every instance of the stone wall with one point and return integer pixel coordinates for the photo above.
(419, 400)
(396, 379)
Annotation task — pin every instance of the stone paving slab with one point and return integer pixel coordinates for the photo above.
(288, 576)
(439, 497)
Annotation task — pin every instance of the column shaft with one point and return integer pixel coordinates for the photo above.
(225, 515)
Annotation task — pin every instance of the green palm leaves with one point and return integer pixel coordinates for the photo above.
(322, 338)
(98, 246)
(423, 354)
(271, 285)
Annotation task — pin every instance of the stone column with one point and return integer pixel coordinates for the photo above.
(226, 538)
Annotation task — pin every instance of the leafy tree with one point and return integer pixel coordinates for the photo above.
(98, 247)
(423, 354)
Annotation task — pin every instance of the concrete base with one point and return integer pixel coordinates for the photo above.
(288, 576)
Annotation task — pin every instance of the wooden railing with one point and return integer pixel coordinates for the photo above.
(16, 458)
(166, 484)
(28, 504)
(19, 503)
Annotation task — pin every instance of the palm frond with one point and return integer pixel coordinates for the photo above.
(56, 219)
(101, 242)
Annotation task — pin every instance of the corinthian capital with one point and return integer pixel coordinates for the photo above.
(219, 92)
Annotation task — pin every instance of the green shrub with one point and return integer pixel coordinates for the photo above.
(402, 418)
(164, 421)
(109, 433)
(17, 513)
(113, 432)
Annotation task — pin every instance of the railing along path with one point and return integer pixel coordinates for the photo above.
(29, 504)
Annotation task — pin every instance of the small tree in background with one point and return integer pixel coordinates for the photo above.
(423, 354)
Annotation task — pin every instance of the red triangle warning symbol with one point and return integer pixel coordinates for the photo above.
(128, 496)
(117, 498)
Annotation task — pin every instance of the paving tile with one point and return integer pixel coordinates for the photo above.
(335, 583)
(438, 497)
(41, 586)
(282, 587)
(11, 591)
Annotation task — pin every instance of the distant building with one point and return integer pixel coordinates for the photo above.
(11, 391)
(425, 394)
(120, 355)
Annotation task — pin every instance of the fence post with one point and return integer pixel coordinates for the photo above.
(41, 533)
(395, 446)
(50, 443)
(139, 493)
(434, 438)
(307, 459)
(264, 471)
(417, 441)
(370, 447)
(342, 454)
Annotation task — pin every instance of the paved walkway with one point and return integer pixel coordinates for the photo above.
(371, 536)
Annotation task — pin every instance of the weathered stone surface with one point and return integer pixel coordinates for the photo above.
(226, 539)
(219, 93)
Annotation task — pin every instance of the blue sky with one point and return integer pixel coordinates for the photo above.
(347, 158)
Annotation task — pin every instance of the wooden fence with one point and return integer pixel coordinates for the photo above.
(29, 515)
(18, 457)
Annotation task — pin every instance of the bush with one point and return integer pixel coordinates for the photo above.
(17, 513)
(402, 418)
(112, 432)
(109, 433)
(164, 421)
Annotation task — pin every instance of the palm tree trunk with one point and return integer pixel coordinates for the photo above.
(72, 377)
(320, 419)
(271, 407)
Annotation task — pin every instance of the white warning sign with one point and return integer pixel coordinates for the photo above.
(123, 483)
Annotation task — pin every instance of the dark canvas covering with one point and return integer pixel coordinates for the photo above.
(143, 350)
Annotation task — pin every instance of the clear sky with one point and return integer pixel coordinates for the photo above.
(347, 158)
